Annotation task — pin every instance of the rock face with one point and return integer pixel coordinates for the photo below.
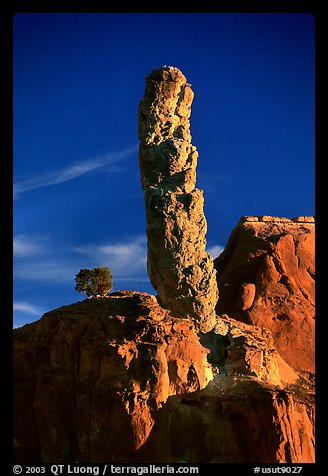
(120, 379)
(249, 423)
(178, 266)
(90, 377)
(266, 278)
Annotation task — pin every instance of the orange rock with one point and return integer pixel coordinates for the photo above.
(277, 258)
(233, 420)
(246, 296)
(103, 381)
(90, 377)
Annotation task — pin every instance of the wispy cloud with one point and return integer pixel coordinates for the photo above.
(27, 308)
(71, 172)
(47, 270)
(27, 245)
(124, 258)
(215, 250)
(24, 312)
(38, 259)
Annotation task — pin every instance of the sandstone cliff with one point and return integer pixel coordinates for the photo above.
(266, 277)
(178, 266)
(120, 379)
(91, 377)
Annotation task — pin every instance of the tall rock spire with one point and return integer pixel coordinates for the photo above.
(178, 266)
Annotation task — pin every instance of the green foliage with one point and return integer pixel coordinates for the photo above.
(96, 282)
(304, 386)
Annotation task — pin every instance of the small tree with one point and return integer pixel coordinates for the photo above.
(96, 282)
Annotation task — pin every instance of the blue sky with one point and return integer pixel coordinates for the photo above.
(78, 79)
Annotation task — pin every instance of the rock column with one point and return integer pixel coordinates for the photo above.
(179, 268)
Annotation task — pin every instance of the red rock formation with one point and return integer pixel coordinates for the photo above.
(90, 377)
(266, 278)
(120, 379)
(234, 421)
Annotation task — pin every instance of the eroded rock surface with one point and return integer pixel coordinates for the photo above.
(266, 277)
(90, 377)
(118, 379)
(179, 268)
(234, 420)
